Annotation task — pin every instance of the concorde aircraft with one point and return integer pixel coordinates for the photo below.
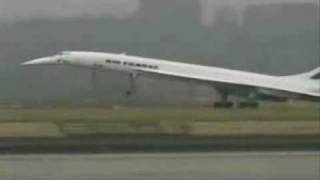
(250, 86)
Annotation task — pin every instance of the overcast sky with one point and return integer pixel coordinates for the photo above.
(29, 9)
(12, 10)
(209, 7)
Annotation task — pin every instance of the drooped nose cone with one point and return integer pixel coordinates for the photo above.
(42, 61)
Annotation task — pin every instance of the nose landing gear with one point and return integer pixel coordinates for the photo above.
(132, 85)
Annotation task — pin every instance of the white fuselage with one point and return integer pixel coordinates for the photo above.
(286, 86)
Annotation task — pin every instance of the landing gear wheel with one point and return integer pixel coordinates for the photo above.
(223, 105)
(248, 105)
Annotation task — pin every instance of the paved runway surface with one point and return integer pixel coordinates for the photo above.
(175, 166)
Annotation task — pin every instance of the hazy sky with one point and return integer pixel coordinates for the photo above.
(29, 9)
(12, 10)
(209, 7)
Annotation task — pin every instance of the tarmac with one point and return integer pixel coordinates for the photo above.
(280, 165)
(156, 143)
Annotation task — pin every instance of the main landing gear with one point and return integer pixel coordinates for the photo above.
(240, 105)
(251, 102)
(248, 105)
(226, 104)
(223, 105)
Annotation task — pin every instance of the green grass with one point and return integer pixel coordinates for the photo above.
(268, 113)
(271, 119)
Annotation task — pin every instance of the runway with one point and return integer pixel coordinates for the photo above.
(163, 166)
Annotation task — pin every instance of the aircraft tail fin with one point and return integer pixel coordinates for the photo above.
(313, 74)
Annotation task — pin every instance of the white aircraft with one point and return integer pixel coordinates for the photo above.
(251, 86)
